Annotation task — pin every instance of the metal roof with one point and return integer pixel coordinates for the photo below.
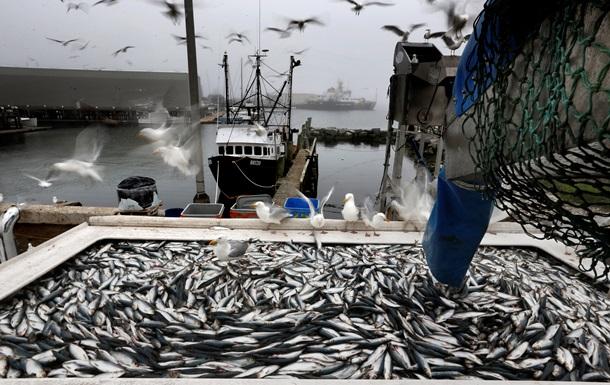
(54, 88)
(243, 134)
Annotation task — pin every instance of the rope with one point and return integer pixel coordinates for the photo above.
(250, 180)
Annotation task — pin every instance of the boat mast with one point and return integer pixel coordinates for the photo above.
(225, 65)
(259, 100)
(293, 64)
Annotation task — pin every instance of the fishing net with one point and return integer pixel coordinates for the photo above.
(539, 135)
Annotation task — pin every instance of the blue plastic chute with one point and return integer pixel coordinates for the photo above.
(455, 228)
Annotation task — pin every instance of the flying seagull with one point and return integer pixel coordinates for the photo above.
(182, 39)
(122, 50)
(357, 7)
(403, 34)
(432, 35)
(239, 37)
(283, 33)
(41, 182)
(301, 24)
(107, 2)
(172, 10)
(77, 7)
(87, 149)
(64, 43)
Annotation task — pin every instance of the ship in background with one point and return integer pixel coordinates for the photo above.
(336, 98)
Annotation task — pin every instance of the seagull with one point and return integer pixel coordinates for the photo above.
(1, 197)
(415, 201)
(78, 7)
(316, 220)
(107, 2)
(357, 7)
(64, 43)
(299, 52)
(370, 216)
(301, 24)
(454, 43)
(225, 249)
(182, 39)
(270, 213)
(82, 47)
(284, 33)
(239, 37)
(172, 10)
(122, 50)
(87, 149)
(432, 35)
(403, 34)
(41, 182)
(350, 211)
(178, 157)
(206, 47)
(260, 130)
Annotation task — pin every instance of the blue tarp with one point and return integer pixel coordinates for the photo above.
(456, 226)
(500, 18)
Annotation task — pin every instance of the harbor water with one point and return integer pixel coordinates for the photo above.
(347, 167)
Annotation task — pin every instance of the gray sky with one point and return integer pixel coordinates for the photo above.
(349, 47)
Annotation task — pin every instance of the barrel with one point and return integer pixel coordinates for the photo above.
(141, 189)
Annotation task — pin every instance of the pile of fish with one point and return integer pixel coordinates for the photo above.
(171, 309)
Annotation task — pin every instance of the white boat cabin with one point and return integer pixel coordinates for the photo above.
(243, 140)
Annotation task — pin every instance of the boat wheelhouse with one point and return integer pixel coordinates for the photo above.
(253, 148)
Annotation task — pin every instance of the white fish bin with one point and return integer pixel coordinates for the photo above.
(144, 300)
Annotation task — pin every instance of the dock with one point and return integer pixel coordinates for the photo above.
(302, 176)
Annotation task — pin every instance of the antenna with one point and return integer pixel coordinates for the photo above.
(259, 25)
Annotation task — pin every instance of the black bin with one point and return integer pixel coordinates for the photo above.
(139, 188)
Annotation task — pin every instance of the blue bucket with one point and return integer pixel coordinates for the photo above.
(173, 213)
(298, 206)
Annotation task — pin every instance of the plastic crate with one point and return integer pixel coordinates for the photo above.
(298, 207)
(203, 210)
(243, 205)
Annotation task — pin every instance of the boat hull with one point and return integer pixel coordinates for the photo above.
(330, 106)
(245, 176)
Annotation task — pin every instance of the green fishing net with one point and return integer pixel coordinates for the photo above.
(539, 135)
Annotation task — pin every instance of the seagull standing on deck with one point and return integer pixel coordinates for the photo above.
(316, 220)
(226, 249)
(350, 211)
(370, 216)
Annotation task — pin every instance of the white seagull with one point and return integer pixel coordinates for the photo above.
(370, 216)
(41, 182)
(317, 220)
(87, 150)
(350, 211)
(270, 213)
(226, 249)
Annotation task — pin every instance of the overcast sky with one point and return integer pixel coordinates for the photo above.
(352, 48)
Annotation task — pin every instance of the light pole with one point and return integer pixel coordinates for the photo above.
(191, 50)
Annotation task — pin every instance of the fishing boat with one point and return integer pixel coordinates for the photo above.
(253, 147)
(337, 98)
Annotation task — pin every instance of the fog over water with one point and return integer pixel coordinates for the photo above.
(350, 48)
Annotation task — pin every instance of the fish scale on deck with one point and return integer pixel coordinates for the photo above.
(171, 309)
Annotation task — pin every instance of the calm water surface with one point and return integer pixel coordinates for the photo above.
(350, 168)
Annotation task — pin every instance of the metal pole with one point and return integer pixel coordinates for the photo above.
(225, 65)
(292, 62)
(191, 49)
(386, 167)
(399, 154)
